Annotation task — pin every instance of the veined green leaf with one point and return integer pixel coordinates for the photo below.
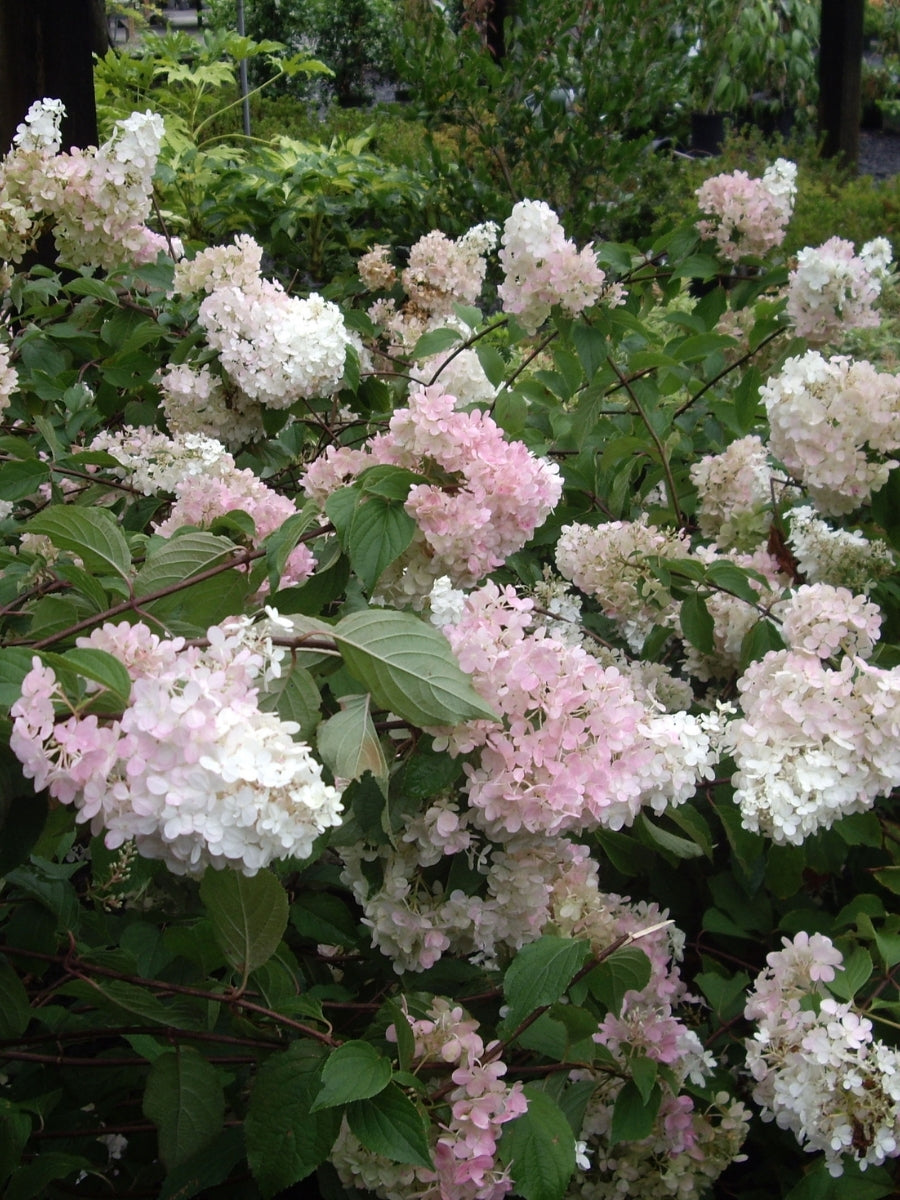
(184, 1099)
(349, 745)
(355, 1071)
(91, 533)
(408, 667)
(248, 915)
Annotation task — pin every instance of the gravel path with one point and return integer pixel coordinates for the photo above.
(879, 154)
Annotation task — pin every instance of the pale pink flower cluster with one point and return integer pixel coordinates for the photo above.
(814, 743)
(747, 217)
(97, 201)
(442, 272)
(459, 372)
(827, 621)
(542, 268)
(196, 400)
(818, 1071)
(832, 289)
(735, 494)
(608, 563)
(376, 269)
(578, 749)
(492, 493)
(192, 770)
(690, 1145)
(465, 1145)
(202, 498)
(842, 557)
(9, 377)
(834, 424)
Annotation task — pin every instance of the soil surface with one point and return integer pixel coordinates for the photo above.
(879, 154)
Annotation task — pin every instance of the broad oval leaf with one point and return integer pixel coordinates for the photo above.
(348, 743)
(248, 915)
(180, 558)
(390, 1124)
(184, 1099)
(91, 533)
(408, 667)
(540, 974)
(539, 1148)
(355, 1071)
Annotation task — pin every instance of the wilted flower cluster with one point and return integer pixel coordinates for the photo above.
(96, 200)
(833, 424)
(192, 770)
(543, 268)
(747, 217)
(492, 493)
(832, 289)
(465, 1145)
(818, 1070)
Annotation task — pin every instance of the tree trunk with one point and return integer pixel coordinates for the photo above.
(46, 51)
(840, 77)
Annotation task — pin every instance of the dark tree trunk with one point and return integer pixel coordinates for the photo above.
(840, 77)
(46, 51)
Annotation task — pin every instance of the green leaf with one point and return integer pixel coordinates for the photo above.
(591, 348)
(285, 1141)
(349, 745)
(97, 665)
(15, 1011)
(889, 877)
(392, 1125)
(758, 641)
(408, 667)
(295, 697)
(21, 479)
(30, 1181)
(627, 970)
(355, 1071)
(205, 1169)
(732, 579)
(857, 971)
(633, 1116)
(180, 558)
(644, 1072)
(281, 541)
(393, 483)
(539, 1148)
(434, 342)
(696, 623)
(379, 533)
(540, 974)
(22, 813)
(404, 1037)
(91, 533)
(324, 918)
(185, 1101)
(670, 843)
(248, 915)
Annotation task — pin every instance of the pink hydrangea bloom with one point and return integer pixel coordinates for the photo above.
(747, 217)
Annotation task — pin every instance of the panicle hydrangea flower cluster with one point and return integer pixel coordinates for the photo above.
(841, 557)
(98, 200)
(493, 493)
(735, 494)
(818, 1070)
(543, 268)
(832, 423)
(275, 349)
(828, 621)
(747, 217)
(814, 743)
(608, 563)
(153, 462)
(690, 1145)
(464, 1144)
(578, 748)
(442, 272)
(9, 377)
(193, 770)
(832, 289)
(197, 400)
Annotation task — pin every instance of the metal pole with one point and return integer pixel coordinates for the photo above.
(242, 68)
